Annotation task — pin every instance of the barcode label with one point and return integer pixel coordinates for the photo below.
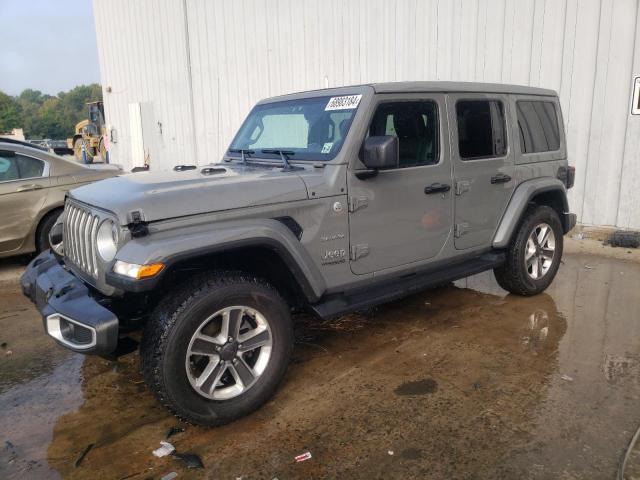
(347, 102)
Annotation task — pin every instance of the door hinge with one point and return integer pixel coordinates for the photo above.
(359, 251)
(462, 186)
(356, 203)
(460, 229)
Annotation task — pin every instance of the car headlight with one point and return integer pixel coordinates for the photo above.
(107, 240)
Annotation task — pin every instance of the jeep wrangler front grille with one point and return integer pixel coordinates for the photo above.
(79, 234)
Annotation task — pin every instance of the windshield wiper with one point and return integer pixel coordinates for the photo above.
(242, 153)
(284, 155)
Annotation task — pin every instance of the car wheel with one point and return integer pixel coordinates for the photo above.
(77, 150)
(218, 348)
(534, 255)
(42, 232)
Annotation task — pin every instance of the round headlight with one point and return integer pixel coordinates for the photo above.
(107, 240)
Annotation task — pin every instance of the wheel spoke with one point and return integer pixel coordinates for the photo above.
(539, 263)
(254, 339)
(231, 320)
(534, 238)
(530, 252)
(204, 345)
(547, 253)
(543, 237)
(534, 266)
(210, 376)
(242, 372)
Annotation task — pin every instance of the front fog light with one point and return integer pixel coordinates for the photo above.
(133, 270)
(107, 240)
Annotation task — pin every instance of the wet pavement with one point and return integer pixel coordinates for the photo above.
(463, 381)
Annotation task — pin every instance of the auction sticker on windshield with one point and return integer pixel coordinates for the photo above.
(346, 102)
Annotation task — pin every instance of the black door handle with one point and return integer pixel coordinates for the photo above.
(500, 178)
(437, 188)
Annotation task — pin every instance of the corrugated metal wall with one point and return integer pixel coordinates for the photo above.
(197, 67)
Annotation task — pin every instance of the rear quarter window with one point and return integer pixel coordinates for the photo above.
(538, 126)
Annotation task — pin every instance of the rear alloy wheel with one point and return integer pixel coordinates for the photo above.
(217, 347)
(534, 255)
(540, 251)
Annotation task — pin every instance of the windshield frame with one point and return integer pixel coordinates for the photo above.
(295, 155)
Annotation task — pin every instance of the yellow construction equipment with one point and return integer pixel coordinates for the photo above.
(89, 135)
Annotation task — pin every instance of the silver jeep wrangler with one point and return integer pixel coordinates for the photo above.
(329, 201)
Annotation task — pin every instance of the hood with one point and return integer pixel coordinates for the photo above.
(206, 189)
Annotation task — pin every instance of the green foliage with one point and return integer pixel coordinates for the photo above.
(46, 116)
(9, 113)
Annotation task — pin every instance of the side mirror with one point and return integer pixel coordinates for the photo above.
(380, 152)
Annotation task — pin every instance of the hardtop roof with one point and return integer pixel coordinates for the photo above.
(471, 87)
(418, 87)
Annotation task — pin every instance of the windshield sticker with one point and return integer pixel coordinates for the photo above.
(348, 102)
(327, 147)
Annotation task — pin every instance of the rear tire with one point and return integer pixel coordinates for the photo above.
(238, 380)
(533, 258)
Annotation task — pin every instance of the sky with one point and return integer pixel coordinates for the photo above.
(47, 45)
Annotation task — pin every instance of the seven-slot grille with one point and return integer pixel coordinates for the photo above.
(80, 229)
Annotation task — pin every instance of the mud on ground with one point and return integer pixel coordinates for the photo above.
(459, 382)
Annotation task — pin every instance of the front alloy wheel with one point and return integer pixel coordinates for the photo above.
(217, 346)
(228, 352)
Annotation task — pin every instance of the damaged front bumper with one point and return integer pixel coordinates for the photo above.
(71, 315)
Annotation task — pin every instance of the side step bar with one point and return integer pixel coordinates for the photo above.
(342, 303)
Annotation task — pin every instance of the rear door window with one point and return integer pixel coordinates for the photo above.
(29, 167)
(538, 126)
(8, 167)
(481, 129)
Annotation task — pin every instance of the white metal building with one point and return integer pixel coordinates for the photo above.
(180, 75)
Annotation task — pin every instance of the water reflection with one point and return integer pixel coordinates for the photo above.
(29, 412)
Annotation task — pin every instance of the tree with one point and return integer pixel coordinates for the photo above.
(46, 116)
(9, 113)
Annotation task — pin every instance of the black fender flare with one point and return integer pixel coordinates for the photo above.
(176, 245)
(520, 199)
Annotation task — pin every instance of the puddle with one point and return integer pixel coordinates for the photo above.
(461, 381)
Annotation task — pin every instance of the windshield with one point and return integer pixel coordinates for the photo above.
(308, 129)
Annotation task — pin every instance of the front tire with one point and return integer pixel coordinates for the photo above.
(217, 349)
(533, 258)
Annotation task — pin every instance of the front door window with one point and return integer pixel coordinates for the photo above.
(415, 125)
